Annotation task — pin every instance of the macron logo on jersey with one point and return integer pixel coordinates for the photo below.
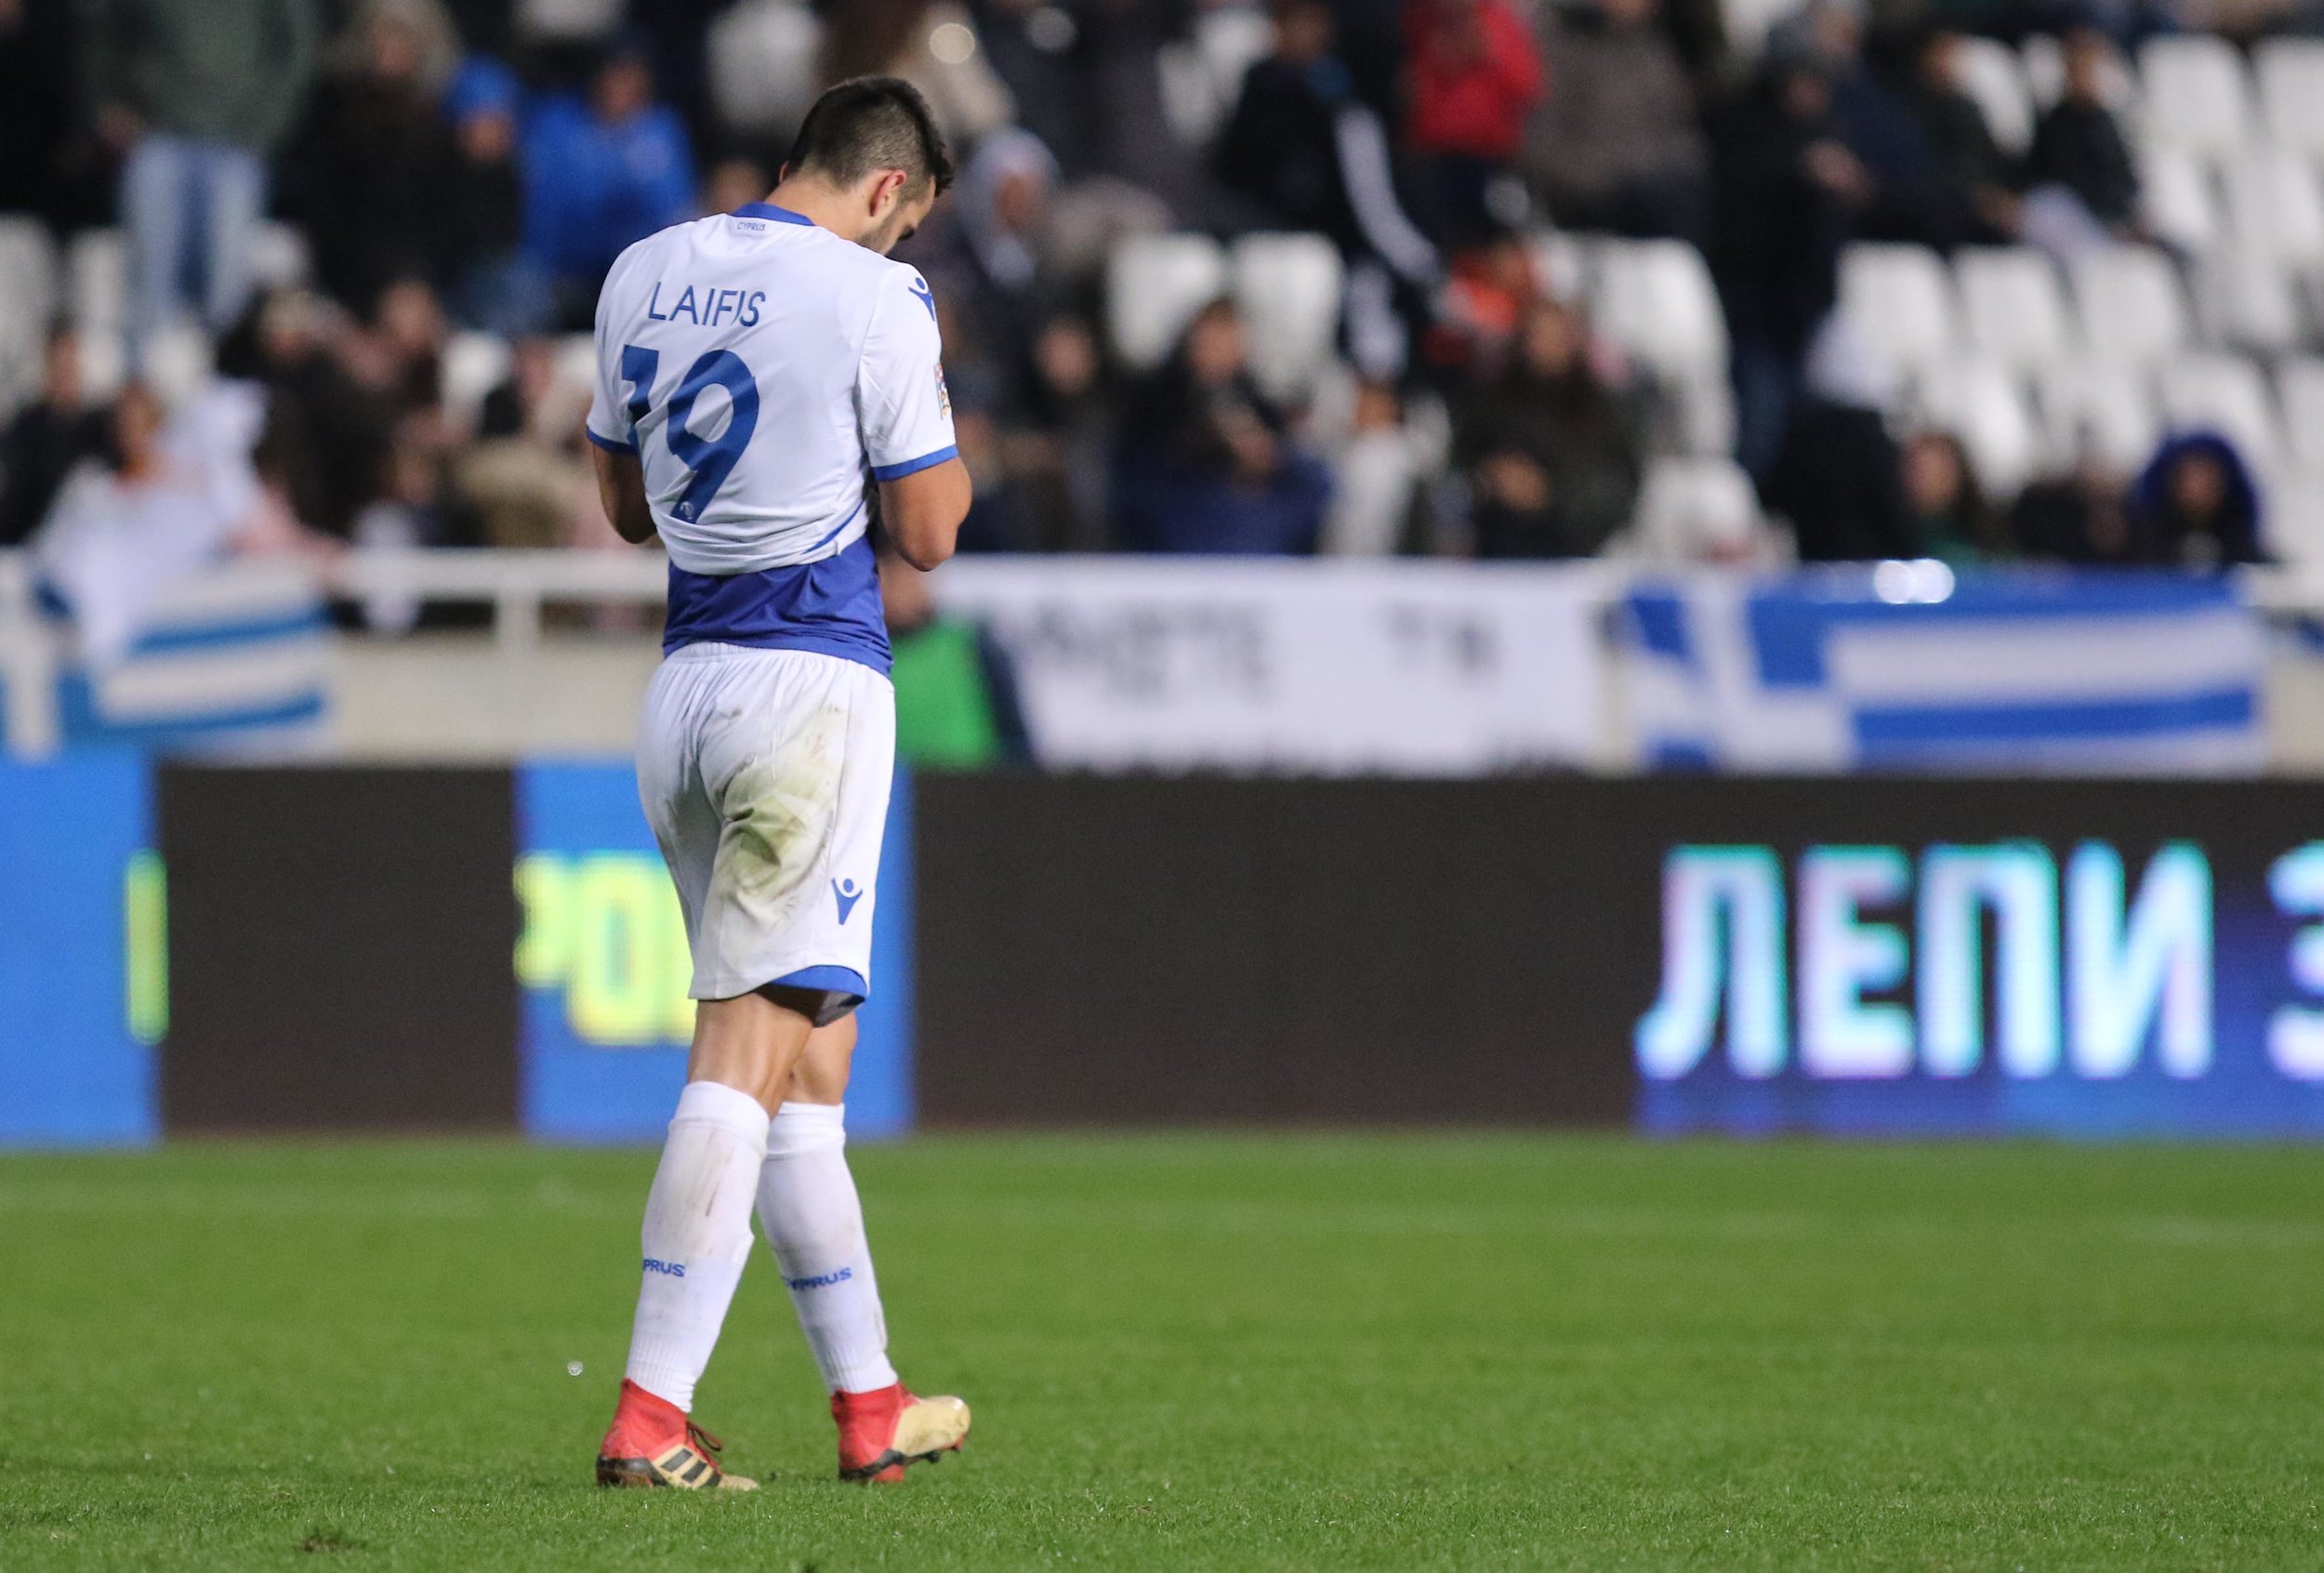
(846, 894)
(926, 296)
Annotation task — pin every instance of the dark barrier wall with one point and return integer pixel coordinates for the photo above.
(1152, 950)
(1857, 955)
(1885, 956)
(340, 948)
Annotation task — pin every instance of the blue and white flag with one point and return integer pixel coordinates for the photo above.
(233, 660)
(1901, 667)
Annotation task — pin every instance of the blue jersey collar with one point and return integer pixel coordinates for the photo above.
(767, 210)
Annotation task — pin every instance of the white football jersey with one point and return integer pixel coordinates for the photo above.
(766, 372)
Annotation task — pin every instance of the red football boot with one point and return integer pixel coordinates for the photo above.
(882, 1430)
(653, 1443)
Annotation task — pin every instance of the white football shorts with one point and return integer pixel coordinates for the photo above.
(765, 776)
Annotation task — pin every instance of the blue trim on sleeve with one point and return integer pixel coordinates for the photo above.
(609, 445)
(767, 210)
(836, 980)
(913, 467)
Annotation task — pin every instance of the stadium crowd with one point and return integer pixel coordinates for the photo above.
(456, 175)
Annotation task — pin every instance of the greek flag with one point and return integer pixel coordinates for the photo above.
(1900, 666)
(235, 660)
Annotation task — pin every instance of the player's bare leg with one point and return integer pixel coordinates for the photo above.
(697, 1238)
(809, 1211)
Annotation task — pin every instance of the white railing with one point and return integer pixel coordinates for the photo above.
(516, 585)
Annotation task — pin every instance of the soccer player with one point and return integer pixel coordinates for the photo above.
(769, 386)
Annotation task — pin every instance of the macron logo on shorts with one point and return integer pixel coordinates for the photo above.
(845, 893)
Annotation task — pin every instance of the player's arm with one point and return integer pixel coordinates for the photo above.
(920, 513)
(621, 487)
(907, 411)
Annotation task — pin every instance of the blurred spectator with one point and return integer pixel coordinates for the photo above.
(1207, 462)
(496, 285)
(168, 499)
(991, 270)
(600, 174)
(526, 478)
(933, 47)
(1281, 146)
(1375, 477)
(1052, 443)
(1785, 193)
(2084, 183)
(1307, 155)
(957, 701)
(1119, 127)
(1030, 44)
(45, 167)
(47, 438)
(371, 171)
(2196, 504)
(1553, 453)
(348, 406)
(1486, 293)
(1966, 197)
(1839, 476)
(195, 93)
(1615, 147)
(1945, 513)
(1869, 116)
(1474, 77)
(2082, 517)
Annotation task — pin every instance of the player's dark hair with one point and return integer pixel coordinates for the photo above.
(868, 123)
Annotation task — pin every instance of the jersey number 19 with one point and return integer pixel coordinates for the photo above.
(711, 459)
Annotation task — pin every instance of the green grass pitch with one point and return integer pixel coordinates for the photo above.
(1198, 1352)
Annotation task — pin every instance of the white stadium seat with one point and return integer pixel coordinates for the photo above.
(2246, 298)
(1154, 287)
(1690, 510)
(2292, 519)
(1560, 262)
(1981, 403)
(1748, 23)
(1202, 79)
(97, 281)
(280, 257)
(2222, 393)
(28, 300)
(2132, 307)
(2291, 92)
(1288, 286)
(2013, 305)
(1656, 301)
(761, 58)
(1901, 300)
(2300, 389)
(576, 364)
(2097, 405)
(2275, 205)
(2175, 196)
(474, 364)
(1993, 75)
(2194, 94)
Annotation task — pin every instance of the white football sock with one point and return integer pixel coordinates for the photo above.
(697, 1236)
(809, 1211)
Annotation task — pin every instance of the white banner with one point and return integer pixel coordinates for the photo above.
(1296, 666)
